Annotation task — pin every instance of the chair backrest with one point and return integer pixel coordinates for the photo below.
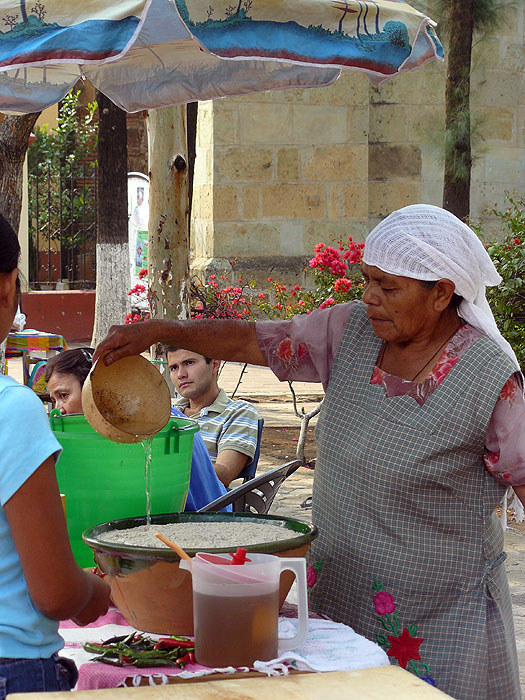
(257, 495)
(249, 470)
(37, 378)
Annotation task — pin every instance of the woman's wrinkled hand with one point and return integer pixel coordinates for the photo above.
(121, 341)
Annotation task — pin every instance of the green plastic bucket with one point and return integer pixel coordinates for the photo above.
(103, 480)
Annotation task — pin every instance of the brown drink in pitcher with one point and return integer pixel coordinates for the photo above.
(235, 630)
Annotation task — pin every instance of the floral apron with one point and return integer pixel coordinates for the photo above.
(410, 553)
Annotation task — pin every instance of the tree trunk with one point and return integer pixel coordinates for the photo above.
(113, 265)
(458, 158)
(14, 134)
(168, 261)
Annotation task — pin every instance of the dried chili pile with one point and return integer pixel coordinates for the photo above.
(141, 651)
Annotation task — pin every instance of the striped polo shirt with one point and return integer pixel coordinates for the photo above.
(228, 424)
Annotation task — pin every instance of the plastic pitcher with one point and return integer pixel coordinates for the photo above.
(236, 608)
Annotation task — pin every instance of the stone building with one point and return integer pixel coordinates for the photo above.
(280, 171)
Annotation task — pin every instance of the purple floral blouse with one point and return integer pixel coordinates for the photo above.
(304, 349)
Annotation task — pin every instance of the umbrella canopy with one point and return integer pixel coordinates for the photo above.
(154, 53)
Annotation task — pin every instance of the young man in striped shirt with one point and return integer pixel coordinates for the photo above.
(228, 426)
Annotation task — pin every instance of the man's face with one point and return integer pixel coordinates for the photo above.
(191, 375)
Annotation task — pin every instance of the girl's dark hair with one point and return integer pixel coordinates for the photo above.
(9, 248)
(77, 362)
(430, 284)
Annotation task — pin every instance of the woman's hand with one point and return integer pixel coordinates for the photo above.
(121, 341)
(98, 603)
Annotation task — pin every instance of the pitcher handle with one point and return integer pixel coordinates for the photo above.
(298, 566)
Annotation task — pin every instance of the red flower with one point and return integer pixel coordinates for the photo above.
(342, 284)
(302, 352)
(311, 576)
(516, 241)
(404, 647)
(378, 376)
(384, 603)
(443, 367)
(285, 351)
(491, 459)
(508, 391)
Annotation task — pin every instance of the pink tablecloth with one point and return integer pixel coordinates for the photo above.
(330, 647)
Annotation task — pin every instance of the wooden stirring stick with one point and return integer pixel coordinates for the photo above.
(182, 554)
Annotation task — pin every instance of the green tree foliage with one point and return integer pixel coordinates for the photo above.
(507, 300)
(54, 164)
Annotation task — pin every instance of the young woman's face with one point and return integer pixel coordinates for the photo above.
(66, 393)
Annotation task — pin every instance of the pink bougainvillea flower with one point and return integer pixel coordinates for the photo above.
(404, 647)
(384, 603)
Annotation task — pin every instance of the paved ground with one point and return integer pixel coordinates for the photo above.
(274, 403)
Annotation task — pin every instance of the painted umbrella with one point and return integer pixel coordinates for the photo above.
(154, 53)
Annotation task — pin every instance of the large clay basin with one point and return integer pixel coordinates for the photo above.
(148, 587)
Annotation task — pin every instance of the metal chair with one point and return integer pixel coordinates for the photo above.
(249, 470)
(256, 496)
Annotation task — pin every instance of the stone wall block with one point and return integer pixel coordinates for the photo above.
(250, 201)
(335, 209)
(288, 164)
(502, 165)
(499, 87)
(226, 124)
(434, 81)
(298, 201)
(243, 165)
(319, 125)
(204, 124)
(202, 203)
(265, 124)
(386, 197)
(355, 200)
(521, 127)
(406, 88)
(225, 203)
(337, 163)
(358, 123)
(515, 57)
(202, 240)
(423, 121)
(234, 240)
(329, 232)
(388, 122)
(387, 161)
(497, 123)
(486, 53)
(351, 88)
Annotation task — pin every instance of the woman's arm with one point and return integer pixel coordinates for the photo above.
(58, 587)
(222, 339)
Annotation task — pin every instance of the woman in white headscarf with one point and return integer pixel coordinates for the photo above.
(421, 432)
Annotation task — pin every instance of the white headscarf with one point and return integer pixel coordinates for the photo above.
(429, 243)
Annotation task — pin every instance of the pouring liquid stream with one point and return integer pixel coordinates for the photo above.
(147, 445)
